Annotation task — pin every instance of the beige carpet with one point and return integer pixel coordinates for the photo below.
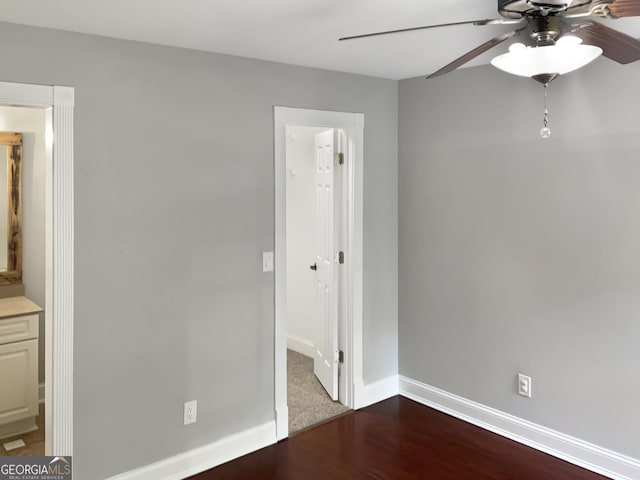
(308, 401)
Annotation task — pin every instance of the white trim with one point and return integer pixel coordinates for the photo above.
(204, 458)
(282, 418)
(301, 345)
(566, 447)
(353, 124)
(59, 257)
(48, 300)
(353, 286)
(376, 392)
(48, 297)
(62, 282)
(22, 95)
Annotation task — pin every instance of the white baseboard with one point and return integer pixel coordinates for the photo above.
(200, 459)
(371, 393)
(41, 392)
(301, 345)
(571, 449)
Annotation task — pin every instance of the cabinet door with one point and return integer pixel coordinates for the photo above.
(19, 380)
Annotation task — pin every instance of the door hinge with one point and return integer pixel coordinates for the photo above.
(341, 257)
(338, 356)
(339, 158)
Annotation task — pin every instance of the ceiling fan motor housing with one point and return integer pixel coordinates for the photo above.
(545, 30)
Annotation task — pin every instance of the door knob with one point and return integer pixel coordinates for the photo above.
(314, 266)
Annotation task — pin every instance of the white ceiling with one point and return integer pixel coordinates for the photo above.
(301, 32)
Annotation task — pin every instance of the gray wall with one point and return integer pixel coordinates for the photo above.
(174, 198)
(523, 255)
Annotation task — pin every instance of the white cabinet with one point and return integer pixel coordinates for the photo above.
(18, 367)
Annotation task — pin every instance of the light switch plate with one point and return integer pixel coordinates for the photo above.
(267, 261)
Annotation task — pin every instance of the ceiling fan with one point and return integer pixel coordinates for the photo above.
(561, 36)
(546, 21)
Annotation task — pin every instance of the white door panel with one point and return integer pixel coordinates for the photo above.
(325, 367)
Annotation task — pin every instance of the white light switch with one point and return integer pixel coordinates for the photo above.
(267, 261)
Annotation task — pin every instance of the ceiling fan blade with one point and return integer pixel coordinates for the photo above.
(615, 45)
(474, 53)
(625, 8)
(497, 21)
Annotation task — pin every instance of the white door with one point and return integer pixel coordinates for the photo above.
(325, 365)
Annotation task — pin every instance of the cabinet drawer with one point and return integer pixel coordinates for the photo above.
(16, 329)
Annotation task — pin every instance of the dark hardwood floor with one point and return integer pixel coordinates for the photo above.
(397, 439)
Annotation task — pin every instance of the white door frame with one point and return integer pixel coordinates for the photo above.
(58, 256)
(353, 125)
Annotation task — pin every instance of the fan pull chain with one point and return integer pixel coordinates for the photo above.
(545, 132)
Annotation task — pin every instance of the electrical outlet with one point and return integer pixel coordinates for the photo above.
(524, 385)
(190, 412)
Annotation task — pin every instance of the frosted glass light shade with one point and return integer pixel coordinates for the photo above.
(563, 57)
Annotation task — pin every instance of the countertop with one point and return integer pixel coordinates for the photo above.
(16, 306)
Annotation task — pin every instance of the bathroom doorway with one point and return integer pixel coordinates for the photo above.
(51, 258)
(23, 181)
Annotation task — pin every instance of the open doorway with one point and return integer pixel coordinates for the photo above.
(313, 219)
(57, 103)
(318, 261)
(23, 179)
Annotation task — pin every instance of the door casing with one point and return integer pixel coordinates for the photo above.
(351, 288)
